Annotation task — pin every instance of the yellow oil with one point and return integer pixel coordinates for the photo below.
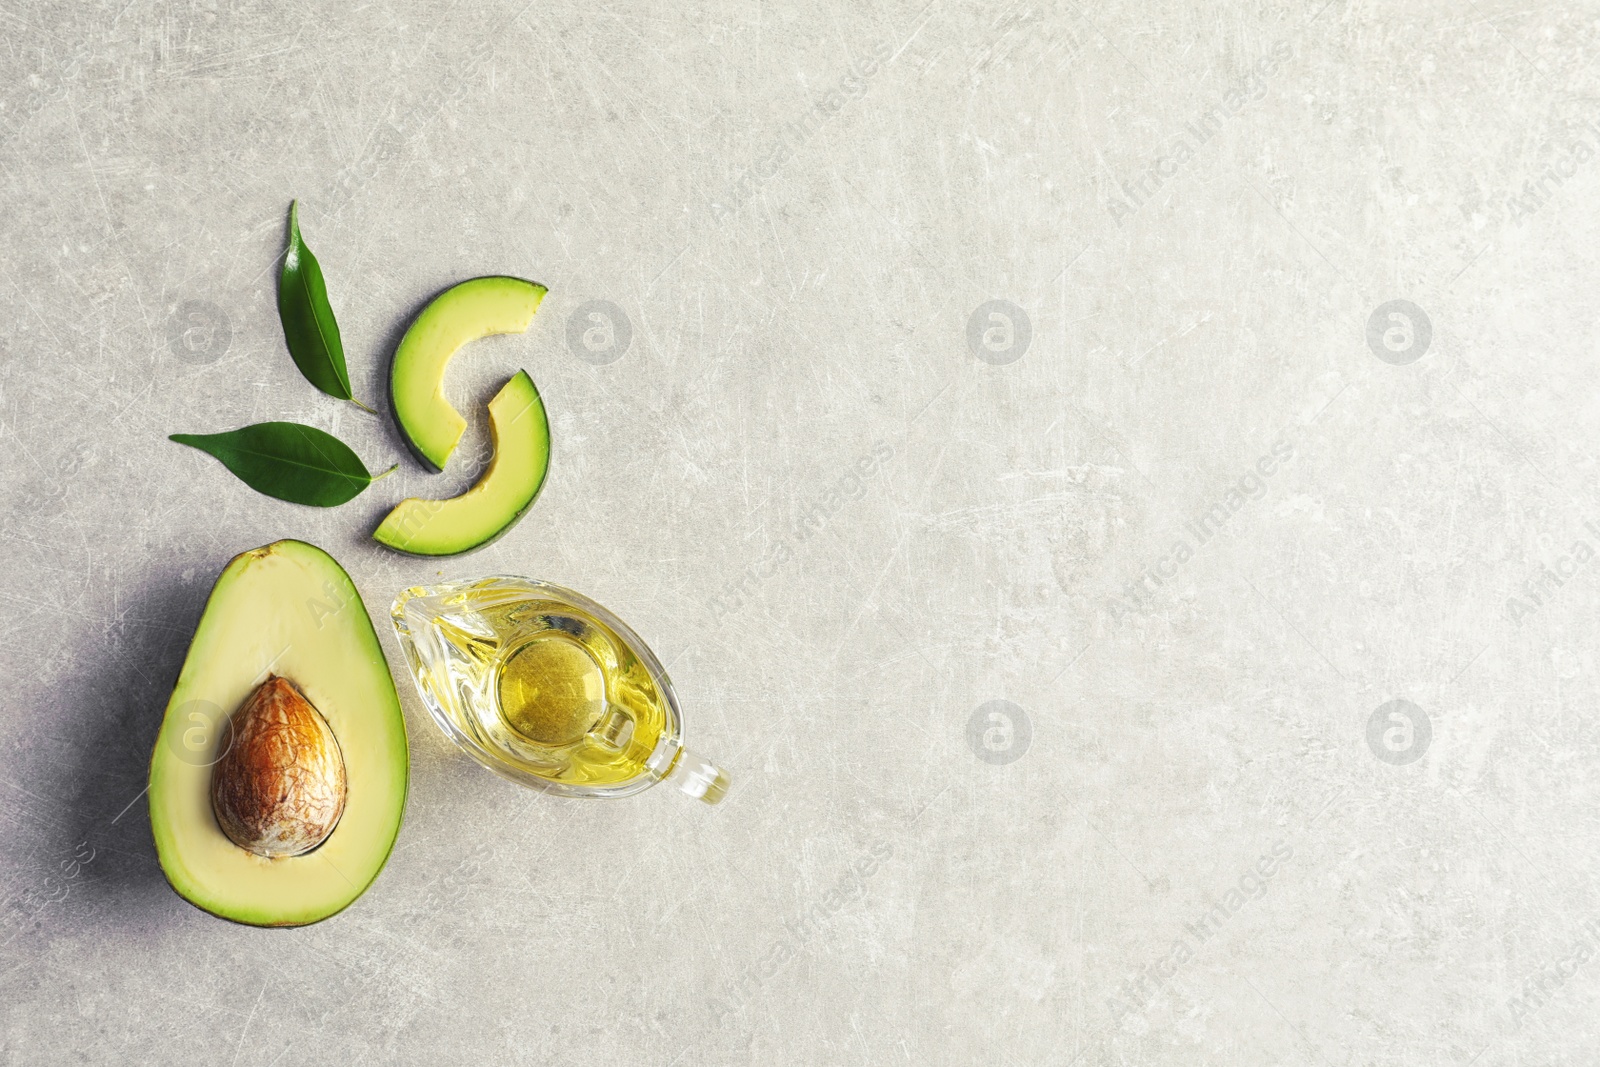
(551, 689)
(579, 704)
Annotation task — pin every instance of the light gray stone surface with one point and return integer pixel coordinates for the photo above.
(802, 216)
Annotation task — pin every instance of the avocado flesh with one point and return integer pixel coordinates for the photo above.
(521, 435)
(285, 609)
(465, 312)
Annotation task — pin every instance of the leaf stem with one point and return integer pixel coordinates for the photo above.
(362, 406)
(385, 474)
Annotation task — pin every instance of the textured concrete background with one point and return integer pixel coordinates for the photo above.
(1287, 590)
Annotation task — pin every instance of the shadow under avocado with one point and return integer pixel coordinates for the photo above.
(121, 696)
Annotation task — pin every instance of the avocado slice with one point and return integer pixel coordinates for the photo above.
(465, 312)
(514, 477)
(287, 611)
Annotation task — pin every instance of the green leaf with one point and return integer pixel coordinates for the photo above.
(300, 464)
(309, 327)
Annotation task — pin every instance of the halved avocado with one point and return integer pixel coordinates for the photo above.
(491, 507)
(475, 308)
(287, 612)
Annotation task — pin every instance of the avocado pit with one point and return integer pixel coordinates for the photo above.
(280, 788)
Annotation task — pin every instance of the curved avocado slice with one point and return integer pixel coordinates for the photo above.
(465, 312)
(492, 506)
(289, 610)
